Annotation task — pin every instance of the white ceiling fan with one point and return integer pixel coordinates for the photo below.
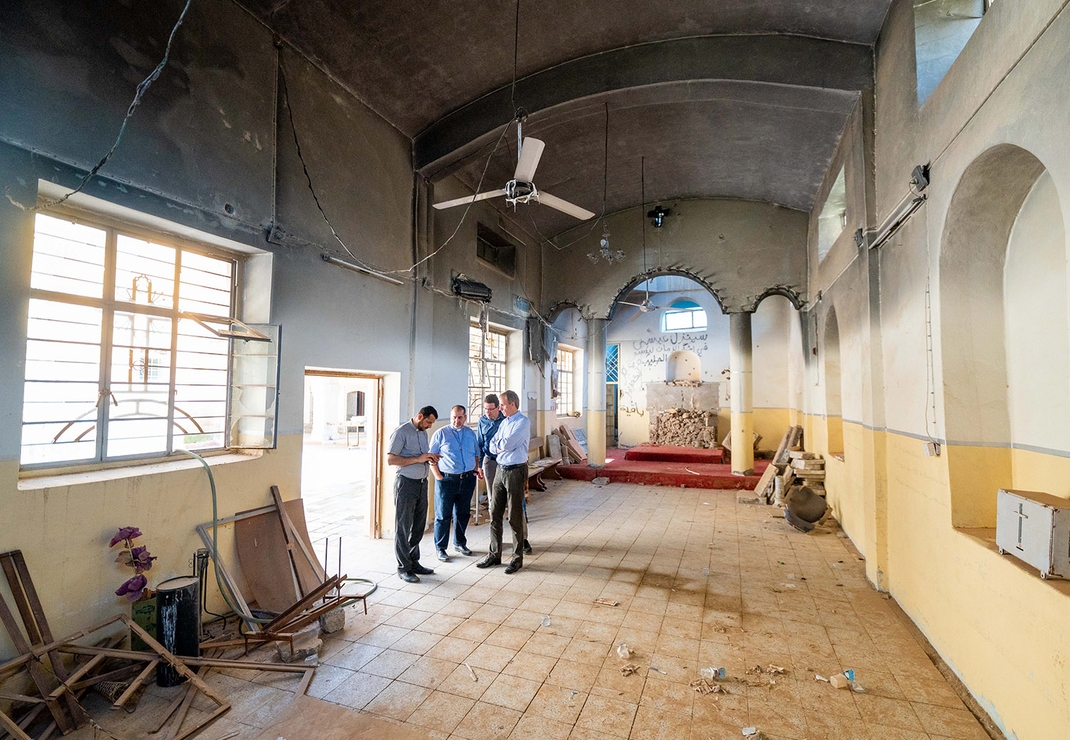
(521, 189)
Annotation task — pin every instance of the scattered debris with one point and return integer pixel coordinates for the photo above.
(688, 428)
(752, 732)
(658, 670)
(839, 681)
(606, 602)
(474, 676)
(600, 480)
(546, 621)
(628, 669)
(705, 687)
(623, 651)
(692, 471)
(712, 673)
(775, 670)
(820, 678)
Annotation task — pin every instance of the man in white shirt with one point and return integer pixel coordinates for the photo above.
(510, 445)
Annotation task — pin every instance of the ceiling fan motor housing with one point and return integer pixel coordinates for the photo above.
(518, 191)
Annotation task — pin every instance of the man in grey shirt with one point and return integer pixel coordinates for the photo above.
(408, 450)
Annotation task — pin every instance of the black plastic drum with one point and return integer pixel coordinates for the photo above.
(178, 623)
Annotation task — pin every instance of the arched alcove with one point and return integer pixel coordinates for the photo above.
(833, 385)
(683, 365)
(976, 321)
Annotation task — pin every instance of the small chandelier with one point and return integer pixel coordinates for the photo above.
(604, 252)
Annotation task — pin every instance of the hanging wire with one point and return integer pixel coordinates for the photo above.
(308, 177)
(142, 88)
(516, 57)
(479, 186)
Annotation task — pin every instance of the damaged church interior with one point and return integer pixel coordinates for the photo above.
(780, 285)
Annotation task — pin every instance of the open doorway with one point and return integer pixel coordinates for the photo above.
(339, 459)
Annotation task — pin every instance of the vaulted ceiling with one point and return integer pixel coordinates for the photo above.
(721, 98)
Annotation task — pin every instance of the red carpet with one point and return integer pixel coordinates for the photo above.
(670, 453)
(693, 475)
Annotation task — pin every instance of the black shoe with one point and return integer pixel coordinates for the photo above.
(527, 547)
(408, 577)
(463, 550)
(443, 556)
(421, 570)
(489, 561)
(514, 565)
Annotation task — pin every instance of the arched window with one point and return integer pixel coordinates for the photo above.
(683, 315)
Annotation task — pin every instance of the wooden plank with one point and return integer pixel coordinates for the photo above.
(302, 688)
(14, 729)
(212, 662)
(183, 709)
(44, 681)
(33, 616)
(15, 664)
(299, 534)
(135, 684)
(287, 538)
(21, 601)
(173, 660)
(266, 562)
(84, 669)
(207, 721)
(765, 481)
(276, 624)
(782, 449)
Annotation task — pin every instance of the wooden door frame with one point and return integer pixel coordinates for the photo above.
(375, 509)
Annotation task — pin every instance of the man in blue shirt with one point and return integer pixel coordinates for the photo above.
(455, 480)
(510, 447)
(488, 464)
(408, 451)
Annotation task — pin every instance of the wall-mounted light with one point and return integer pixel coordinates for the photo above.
(657, 216)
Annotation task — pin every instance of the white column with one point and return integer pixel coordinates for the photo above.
(742, 391)
(596, 392)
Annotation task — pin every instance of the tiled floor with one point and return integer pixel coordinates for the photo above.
(701, 580)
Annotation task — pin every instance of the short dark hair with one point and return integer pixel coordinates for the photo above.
(512, 398)
(460, 407)
(492, 398)
(427, 411)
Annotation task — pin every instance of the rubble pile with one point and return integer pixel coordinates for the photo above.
(685, 427)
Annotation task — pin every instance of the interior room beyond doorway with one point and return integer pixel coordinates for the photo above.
(342, 423)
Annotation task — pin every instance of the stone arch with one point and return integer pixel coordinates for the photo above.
(781, 290)
(973, 342)
(657, 272)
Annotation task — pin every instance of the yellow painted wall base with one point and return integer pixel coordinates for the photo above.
(76, 581)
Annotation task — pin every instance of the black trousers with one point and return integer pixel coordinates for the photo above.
(410, 520)
(508, 490)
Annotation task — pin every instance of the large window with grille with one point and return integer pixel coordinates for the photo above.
(566, 382)
(130, 346)
(486, 368)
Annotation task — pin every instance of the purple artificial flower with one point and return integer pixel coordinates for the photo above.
(132, 589)
(126, 533)
(141, 559)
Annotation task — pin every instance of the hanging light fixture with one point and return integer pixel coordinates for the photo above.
(604, 251)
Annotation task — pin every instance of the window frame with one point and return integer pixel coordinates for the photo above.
(676, 309)
(114, 227)
(475, 401)
(566, 381)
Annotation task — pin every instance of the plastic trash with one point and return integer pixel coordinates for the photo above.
(546, 621)
(850, 673)
(712, 673)
(623, 651)
(705, 571)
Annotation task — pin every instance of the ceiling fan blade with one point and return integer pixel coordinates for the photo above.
(629, 303)
(530, 154)
(564, 206)
(469, 199)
